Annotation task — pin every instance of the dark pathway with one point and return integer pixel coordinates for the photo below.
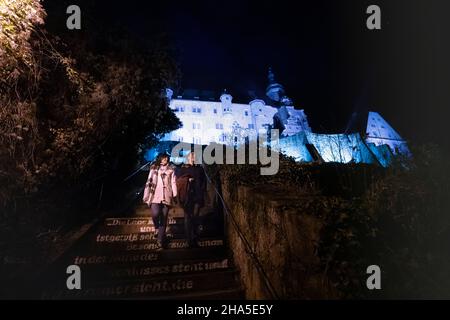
(118, 260)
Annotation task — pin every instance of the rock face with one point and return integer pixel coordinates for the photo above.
(283, 235)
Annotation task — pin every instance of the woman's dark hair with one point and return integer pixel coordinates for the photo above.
(158, 159)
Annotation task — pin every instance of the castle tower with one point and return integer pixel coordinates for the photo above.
(226, 100)
(274, 90)
(169, 94)
(227, 103)
(288, 119)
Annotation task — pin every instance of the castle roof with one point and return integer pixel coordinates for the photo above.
(194, 94)
(214, 95)
(372, 124)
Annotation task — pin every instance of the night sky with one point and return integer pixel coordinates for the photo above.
(321, 51)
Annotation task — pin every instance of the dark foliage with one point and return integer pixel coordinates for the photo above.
(396, 218)
(77, 109)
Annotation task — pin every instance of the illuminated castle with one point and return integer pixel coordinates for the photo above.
(206, 120)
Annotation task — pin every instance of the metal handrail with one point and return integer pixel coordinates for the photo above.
(135, 172)
(247, 246)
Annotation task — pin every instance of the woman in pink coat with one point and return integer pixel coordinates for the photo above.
(160, 194)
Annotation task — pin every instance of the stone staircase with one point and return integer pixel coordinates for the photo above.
(118, 260)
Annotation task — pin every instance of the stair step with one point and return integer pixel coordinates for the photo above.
(146, 270)
(176, 226)
(142, 210)
(175, 230)
(145, 256)
(136, 221)
(156, 286)
(175, 213)
(144, 237)
(123, 246)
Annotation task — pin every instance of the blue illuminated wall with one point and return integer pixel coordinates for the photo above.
(295, 146)
(342, 148)
(204, 122)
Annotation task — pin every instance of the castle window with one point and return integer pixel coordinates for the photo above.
(246, 113)
(251, 126)
(196, 110)
(219, 126)
(222, 138)
(196, 126)
(215, 110)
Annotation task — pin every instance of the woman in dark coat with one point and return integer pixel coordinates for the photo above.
(191, 186)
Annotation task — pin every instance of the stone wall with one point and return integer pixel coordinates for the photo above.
(283, 233)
